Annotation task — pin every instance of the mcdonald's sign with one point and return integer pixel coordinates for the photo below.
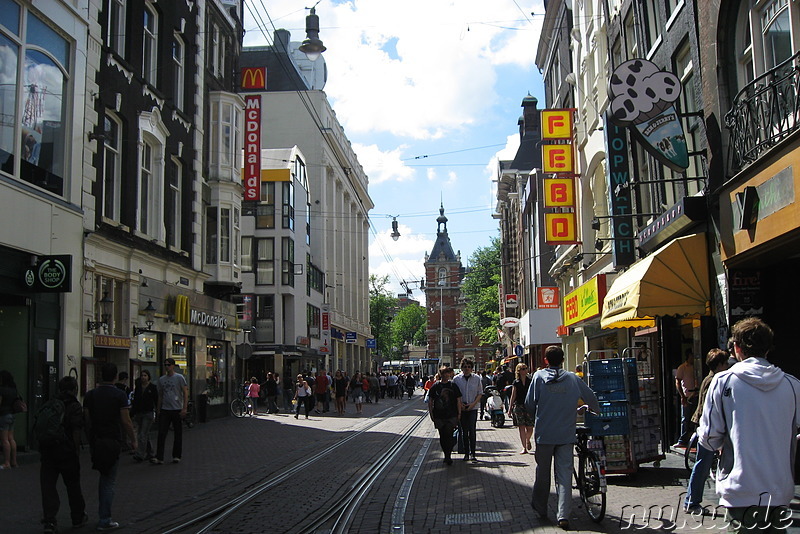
(182, 309)
(252, 147)
(254, 78)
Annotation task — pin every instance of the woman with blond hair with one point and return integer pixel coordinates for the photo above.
(516, 406)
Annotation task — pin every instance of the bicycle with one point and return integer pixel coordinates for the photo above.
(690, 457)
(239, 406)
(590, 477)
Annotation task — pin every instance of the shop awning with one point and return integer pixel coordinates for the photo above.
(671, 281)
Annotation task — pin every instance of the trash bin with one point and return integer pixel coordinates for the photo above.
(202, 407)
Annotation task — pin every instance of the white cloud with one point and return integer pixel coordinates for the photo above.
(382, 166)
(452, 179)
(431, 173)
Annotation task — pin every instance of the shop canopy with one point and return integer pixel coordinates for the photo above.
(671, 281)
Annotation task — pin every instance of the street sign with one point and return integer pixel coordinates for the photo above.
(519, 351)
(350, 337)
(372, 343)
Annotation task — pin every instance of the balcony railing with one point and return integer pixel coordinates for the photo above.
(764, 113)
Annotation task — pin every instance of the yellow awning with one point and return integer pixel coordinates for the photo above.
(671, 281)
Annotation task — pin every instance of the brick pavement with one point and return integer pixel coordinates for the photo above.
(224, 456)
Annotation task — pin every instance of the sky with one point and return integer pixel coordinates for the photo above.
(429, 93)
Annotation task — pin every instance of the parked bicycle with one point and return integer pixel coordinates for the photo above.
(590, 477)
(690, 457)
(240, 406)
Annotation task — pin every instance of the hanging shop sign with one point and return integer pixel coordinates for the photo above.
(557, 124)
(559, 192)
(560, 228)
(547, 298)
(586, 302)
(50, 274)
(512, 301)
(252, 147)
(509, 322)
(643, 99)
(254, 78)
(619, 192)
(558, 159)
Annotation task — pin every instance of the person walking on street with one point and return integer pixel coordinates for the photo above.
(444, 408)
(59, 448)
(717, 361)
(485, 381)
(382, 383)
(302, 396)
(356, 389)
(143, 411)
(517, 408)
(752, 413)
(253, 392)
(173, 399)
(505, 378)
(271, 393)
(340, 392)
(551, 401)
(374, 387)
(8, 394)
(686, 385)
(320, 391)
(107, 412)
(471, 391)
(288, 393)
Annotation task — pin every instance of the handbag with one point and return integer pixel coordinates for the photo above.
(19, 406)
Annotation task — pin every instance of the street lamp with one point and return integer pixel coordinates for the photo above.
(149, 319)
(105, 314)
(311, 46)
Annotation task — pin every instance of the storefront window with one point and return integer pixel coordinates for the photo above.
(147, 347)
(181, 351)
(215, 372)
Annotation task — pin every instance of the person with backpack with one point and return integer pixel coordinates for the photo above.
(143, 412)
(57, 427)
(444, 407)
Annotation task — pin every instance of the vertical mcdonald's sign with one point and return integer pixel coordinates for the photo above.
(252, 147)
(182, 309)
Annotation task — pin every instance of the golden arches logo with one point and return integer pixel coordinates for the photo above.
(182, 309)
(254, 78)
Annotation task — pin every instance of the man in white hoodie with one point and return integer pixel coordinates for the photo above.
(751, 413)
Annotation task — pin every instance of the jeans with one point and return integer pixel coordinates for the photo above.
(700, 471)
(304, 402)
(144, 422)
(563, 467)
(68, 465)
(446, 428)
(687, 427)
(106, 493)
(165, 419)
(467, 434)
(272, 404)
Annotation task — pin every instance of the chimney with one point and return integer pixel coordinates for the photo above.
(281, 40)
(531, 119)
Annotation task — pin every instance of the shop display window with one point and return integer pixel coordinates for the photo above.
(215, 371)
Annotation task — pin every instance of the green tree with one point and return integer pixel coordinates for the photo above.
(382, 308)
(409, 326)
(481, 313)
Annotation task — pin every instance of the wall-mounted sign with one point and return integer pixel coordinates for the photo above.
(547, 298)
(557, 123)
(643, 99)
(585, 302)
(112, 342)
(512, 301)
(184, 313)
(254, 78)
(252, 147)
(744, 292)
(557, 159)
(372, 343)
(560, 228)
(350, 337)
(50, 274)
(509, 322)
(619, 194)
(559, 192)
(303, 341)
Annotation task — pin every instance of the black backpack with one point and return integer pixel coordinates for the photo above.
(443, 404)
(48, 424)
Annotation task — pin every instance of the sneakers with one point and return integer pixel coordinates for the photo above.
(49, 528)
(111, 525)
(156, 461)
(82, 522)
(693, 509)
(176, 460)
(679, 445)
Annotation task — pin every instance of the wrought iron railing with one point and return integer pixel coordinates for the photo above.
(764, 113)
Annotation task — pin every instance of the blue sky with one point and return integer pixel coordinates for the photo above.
(429, 94)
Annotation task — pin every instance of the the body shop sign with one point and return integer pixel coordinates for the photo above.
(252, 147)
(50, 274)
(585, 302)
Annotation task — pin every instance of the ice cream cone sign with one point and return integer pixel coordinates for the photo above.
(643, 100)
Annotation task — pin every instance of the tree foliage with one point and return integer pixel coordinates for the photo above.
(382, 307)
(481, 313)
(409, 326)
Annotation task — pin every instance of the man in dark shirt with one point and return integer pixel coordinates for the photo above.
(61, 457)
(106, 411)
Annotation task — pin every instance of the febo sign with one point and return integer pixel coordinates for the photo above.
(585, 302)
(619, 193)
(252, 147)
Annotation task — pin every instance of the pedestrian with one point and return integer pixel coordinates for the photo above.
(123, 382)
(504, 379)
(382, 384)
(8, 394)
(302, 396)
(411, 384)
(517, 407)
(340, 392)
(752, 413)
(320, 389)
(444, 407)
(391, 385)
(365, 387)
(485, 382)
(58, 428)
(271, 393)
(717, 361)
(173, 398)
(288, 392)
(107, 412)
(253, 392)
(686, 385)
(470, 386)
(356, 389)
(551, 400)
(374, 387)
(579, 371)
(143, 411)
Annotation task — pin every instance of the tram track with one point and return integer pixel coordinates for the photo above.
(339, 513)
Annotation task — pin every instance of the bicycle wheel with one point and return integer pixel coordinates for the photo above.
(238, 408)
(591, 486)
(690, 455)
